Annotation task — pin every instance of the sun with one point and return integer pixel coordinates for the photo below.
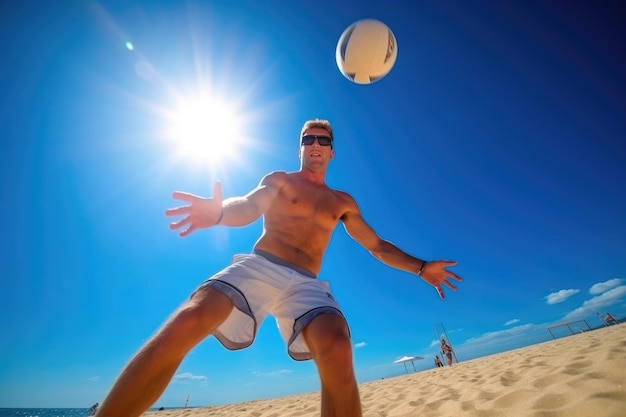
(206, 128)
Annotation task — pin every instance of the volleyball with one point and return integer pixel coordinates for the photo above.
(366, 51)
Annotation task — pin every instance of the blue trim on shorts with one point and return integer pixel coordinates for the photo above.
(276, 260)
(239, 302)
(304, 320)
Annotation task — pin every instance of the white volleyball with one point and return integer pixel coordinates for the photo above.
(366, 51)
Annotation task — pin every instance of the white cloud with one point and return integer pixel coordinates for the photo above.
(601, 287)
(560, 296)
(595, 304)
(529, 334)
(503, 340)
(360, 345)
(500, 335)
(435, 342)
(93, 378)
(188, 377)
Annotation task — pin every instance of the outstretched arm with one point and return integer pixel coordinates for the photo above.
(200, 213)
(203, 212)
(433, 272)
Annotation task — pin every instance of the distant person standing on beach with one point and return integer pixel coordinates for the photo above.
(447, 351)
(300, 213)
(609, 319)
(92, 410)
(438, 362)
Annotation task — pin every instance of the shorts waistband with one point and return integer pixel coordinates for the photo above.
(276, 260)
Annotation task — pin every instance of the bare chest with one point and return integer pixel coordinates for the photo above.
(316, 202)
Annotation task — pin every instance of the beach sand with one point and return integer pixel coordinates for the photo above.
(582, 375)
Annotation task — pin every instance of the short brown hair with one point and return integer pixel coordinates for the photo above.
(317, 123)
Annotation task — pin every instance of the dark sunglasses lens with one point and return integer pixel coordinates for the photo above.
(322, 140)
(308, 140)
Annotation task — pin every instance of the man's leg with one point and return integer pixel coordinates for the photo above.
(147, 374)
(328, 338)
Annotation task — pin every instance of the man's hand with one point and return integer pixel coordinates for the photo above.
(200, 213)
(436, 274)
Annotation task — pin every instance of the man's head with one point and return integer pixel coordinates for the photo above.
(316, 144)
(317, 124)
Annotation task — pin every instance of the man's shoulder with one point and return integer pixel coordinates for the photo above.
(344, 195)
(348, 203)
(275, 177)
(277, 174)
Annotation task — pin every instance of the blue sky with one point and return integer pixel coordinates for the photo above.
(497, 140)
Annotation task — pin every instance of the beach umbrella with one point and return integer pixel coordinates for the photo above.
(406, 359)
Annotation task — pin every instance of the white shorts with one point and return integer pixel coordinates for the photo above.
(258, 287)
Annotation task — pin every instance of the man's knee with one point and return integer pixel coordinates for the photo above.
(328, 339)
(200, 315)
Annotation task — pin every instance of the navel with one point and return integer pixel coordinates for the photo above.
(294, 201)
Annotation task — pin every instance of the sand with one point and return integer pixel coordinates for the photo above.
(582, 375)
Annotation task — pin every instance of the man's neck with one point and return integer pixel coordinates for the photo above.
(315, 176)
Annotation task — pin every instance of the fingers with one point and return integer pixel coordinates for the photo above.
(447, 276)
(182, 210)
(187, 232)
(217, 191)
(177, 211)
(449, 285)
(186, 222)
(190, 198)
(440, 292)
(182, 222)
(454, 276)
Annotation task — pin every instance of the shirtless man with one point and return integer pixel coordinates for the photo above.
(299, 214)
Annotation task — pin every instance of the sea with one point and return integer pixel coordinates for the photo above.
(48, 412)
(44, 412)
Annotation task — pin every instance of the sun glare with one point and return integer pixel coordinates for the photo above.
(206, 129)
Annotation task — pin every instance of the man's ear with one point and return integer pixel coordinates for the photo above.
(332, 154)
(300, 153)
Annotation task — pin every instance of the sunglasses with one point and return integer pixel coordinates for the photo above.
(322, 140)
